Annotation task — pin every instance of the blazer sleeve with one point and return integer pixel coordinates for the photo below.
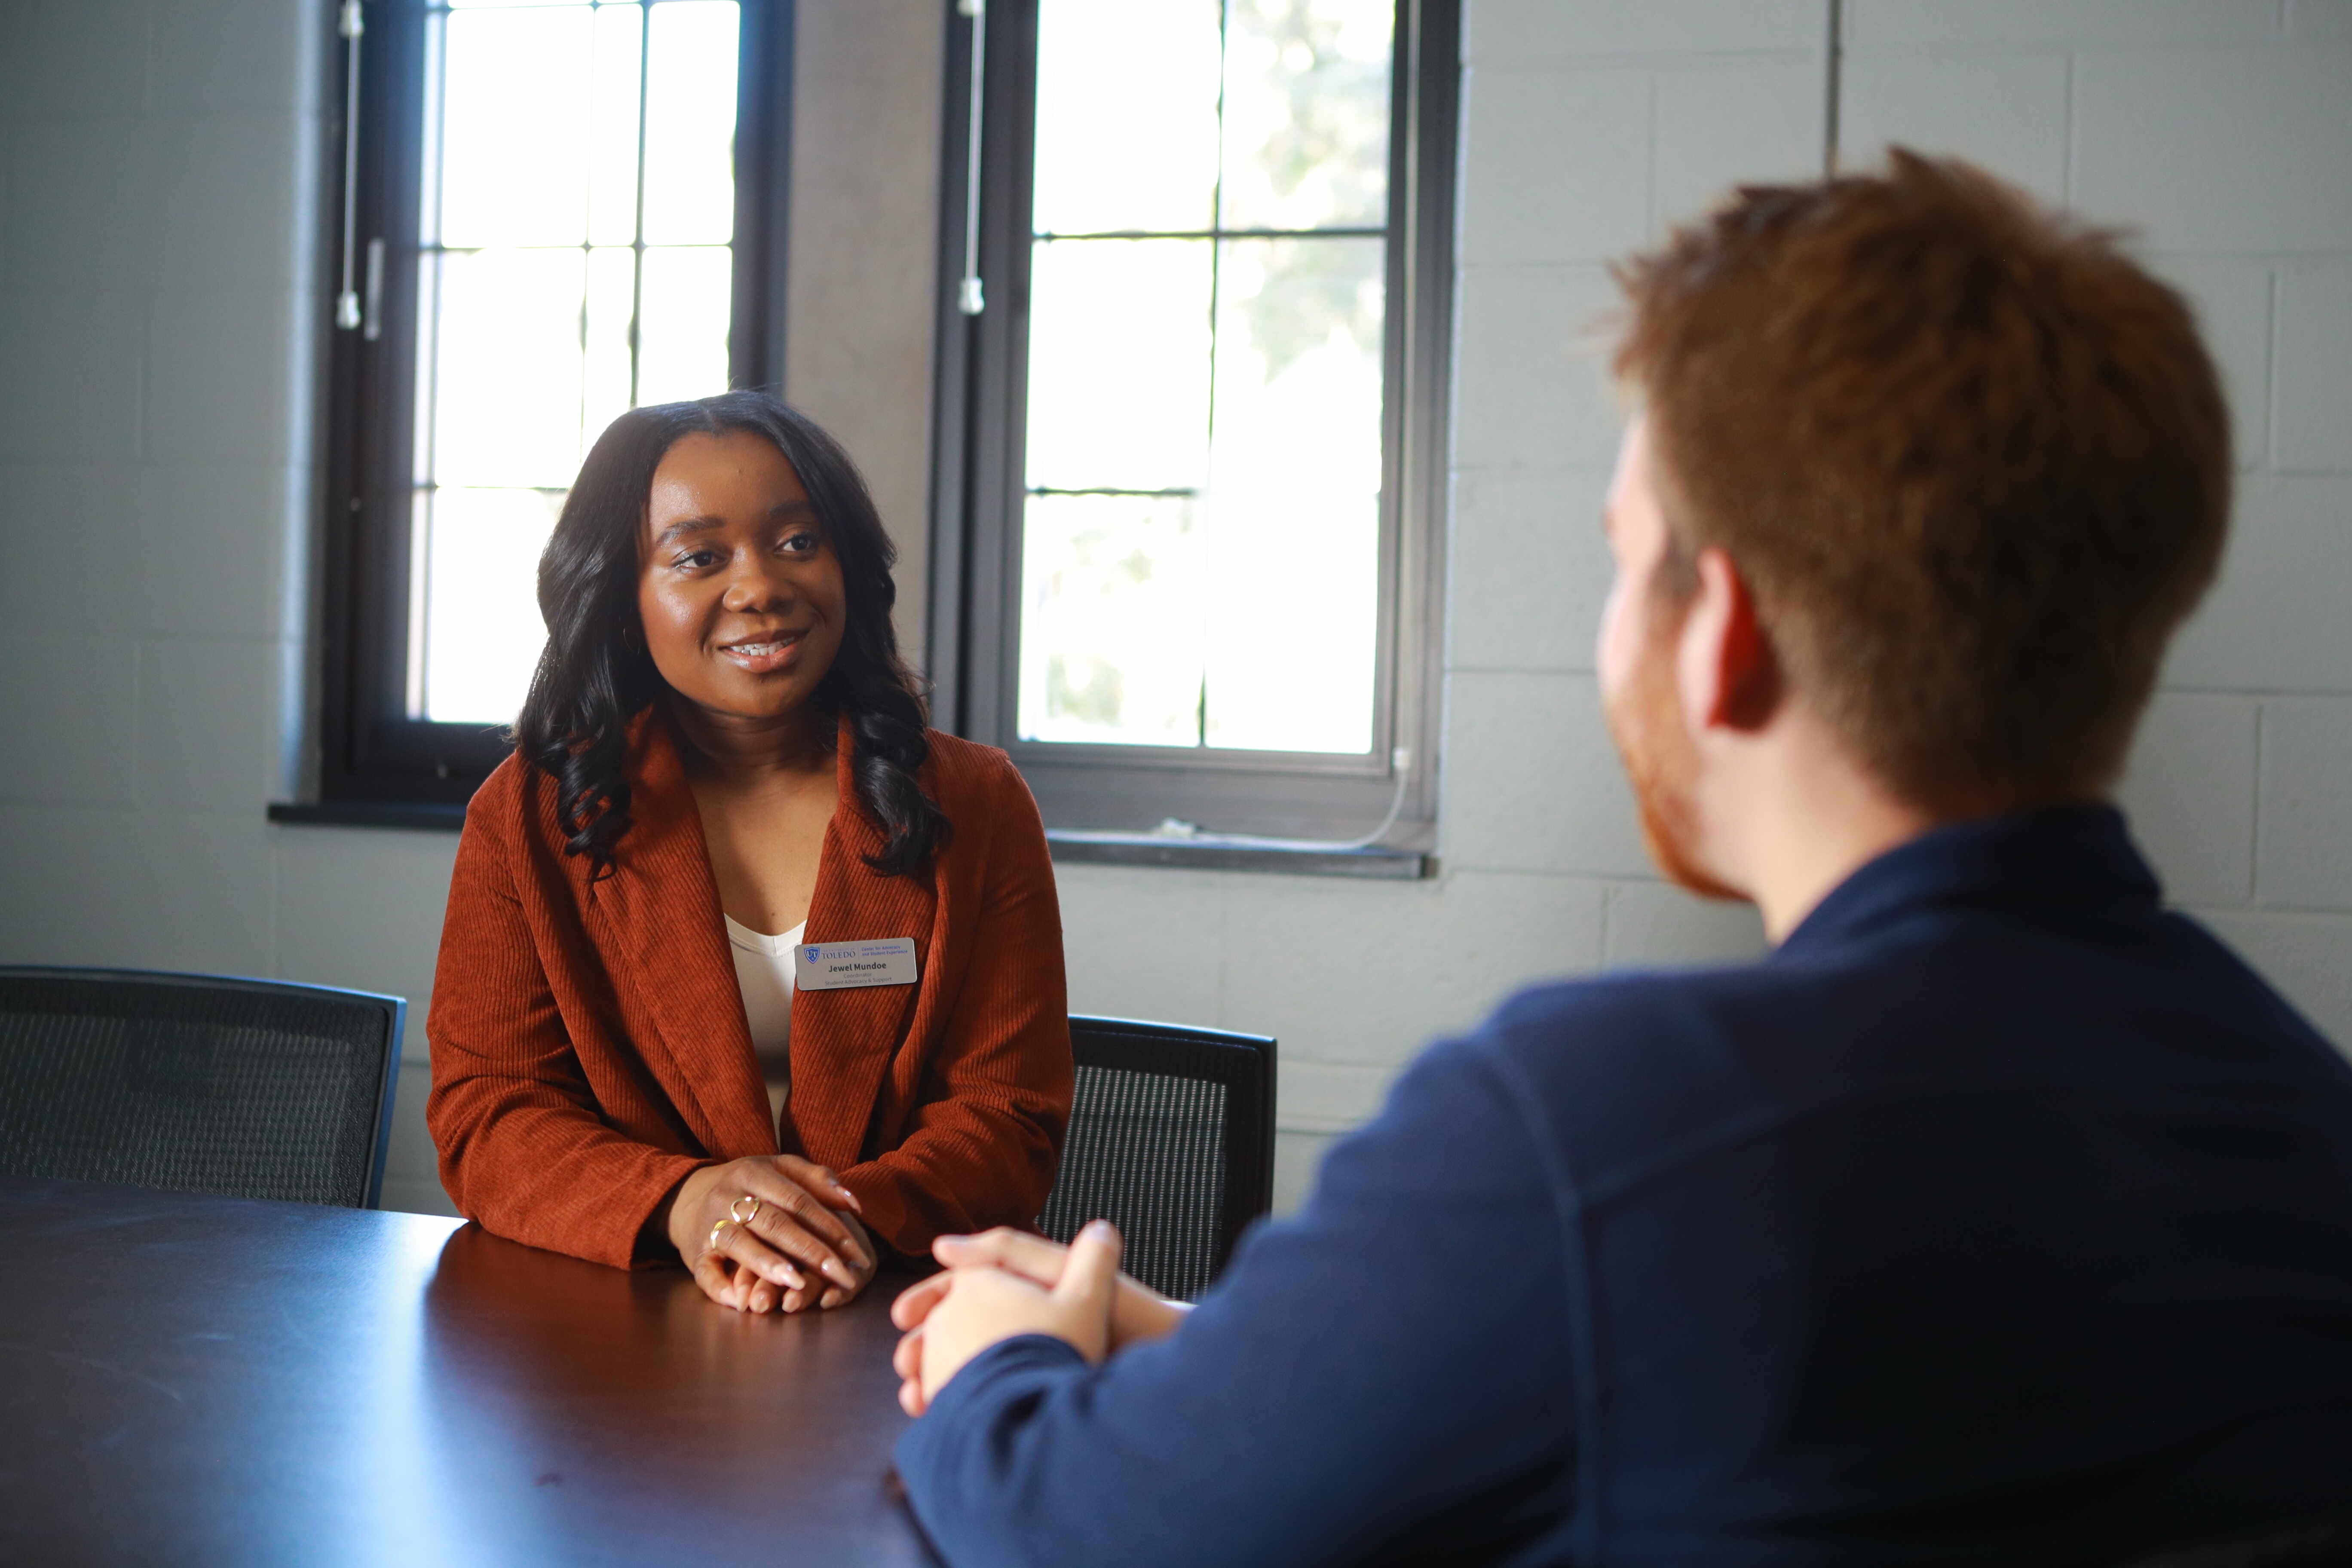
(983, 1142)
(525, 1153)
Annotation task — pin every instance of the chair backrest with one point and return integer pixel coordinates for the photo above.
(252, 1089)
(1171, 1140)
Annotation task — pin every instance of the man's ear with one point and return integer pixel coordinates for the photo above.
(1730, 672)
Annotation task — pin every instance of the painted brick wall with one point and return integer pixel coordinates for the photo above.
(2221, 131)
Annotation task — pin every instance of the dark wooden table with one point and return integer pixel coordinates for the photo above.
(188, 1379)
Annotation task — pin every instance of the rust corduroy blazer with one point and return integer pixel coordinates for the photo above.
(589, 1045)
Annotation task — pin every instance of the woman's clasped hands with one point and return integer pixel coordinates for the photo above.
(771, 1231)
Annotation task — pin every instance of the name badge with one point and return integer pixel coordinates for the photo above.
(836, 965)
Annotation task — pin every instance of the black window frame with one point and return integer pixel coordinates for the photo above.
(370, 751)
(977, 483)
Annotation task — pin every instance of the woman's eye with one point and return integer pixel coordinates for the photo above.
(695, 560)
(803, 543)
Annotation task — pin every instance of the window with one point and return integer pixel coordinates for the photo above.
(558, 211)
(1192, 443)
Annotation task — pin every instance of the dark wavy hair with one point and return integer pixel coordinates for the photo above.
(595, 674)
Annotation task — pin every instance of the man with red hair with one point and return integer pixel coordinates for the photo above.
(1998, 1215)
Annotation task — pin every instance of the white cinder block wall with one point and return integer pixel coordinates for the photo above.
(2221, 131)
(157, 275)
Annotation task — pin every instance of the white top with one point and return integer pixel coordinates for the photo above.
(763, 973)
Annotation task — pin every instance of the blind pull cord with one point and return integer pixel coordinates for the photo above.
(968, 295)
(350, 25)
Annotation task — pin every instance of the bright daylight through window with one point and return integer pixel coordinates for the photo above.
(577, 223)
(1205, 356)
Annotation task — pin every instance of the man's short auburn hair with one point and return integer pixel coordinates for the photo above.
(1972, 461)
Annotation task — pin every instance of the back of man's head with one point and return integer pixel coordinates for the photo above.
(1971, 460)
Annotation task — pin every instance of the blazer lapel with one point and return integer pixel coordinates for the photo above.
(665, 902)
(842, 1041)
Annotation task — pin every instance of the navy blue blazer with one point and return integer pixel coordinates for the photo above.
(1998, 1215)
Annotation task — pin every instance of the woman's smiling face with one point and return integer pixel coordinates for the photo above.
(738, 585)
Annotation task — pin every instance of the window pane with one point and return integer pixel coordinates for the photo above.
(507, 381)
(482, 630)
(617, 56)
(1111, 633)
(1119, 364)
(1307, 113)
(1294, 494)
(546, 308)
(1242, 374)
(1127, 116)
(605, 381)
(682, 323)
(690, 122)
(515, 130)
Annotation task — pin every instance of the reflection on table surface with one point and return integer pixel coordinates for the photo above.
(189, 1378)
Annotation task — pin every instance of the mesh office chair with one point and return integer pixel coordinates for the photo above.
(251, 1089)
(1171, 1140)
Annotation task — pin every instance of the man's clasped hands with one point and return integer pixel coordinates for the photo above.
(1004, 1283)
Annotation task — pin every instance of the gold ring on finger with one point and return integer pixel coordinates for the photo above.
(742, 1216)
(712, 1245)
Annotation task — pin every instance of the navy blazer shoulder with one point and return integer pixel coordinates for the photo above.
(1999, 1215)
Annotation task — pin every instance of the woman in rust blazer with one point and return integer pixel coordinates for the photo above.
(721, 732)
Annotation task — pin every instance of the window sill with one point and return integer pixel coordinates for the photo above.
(433, 816)
(1206, 854)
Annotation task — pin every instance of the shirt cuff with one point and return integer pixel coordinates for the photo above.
(1022, 1361)
(1021, 1351)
